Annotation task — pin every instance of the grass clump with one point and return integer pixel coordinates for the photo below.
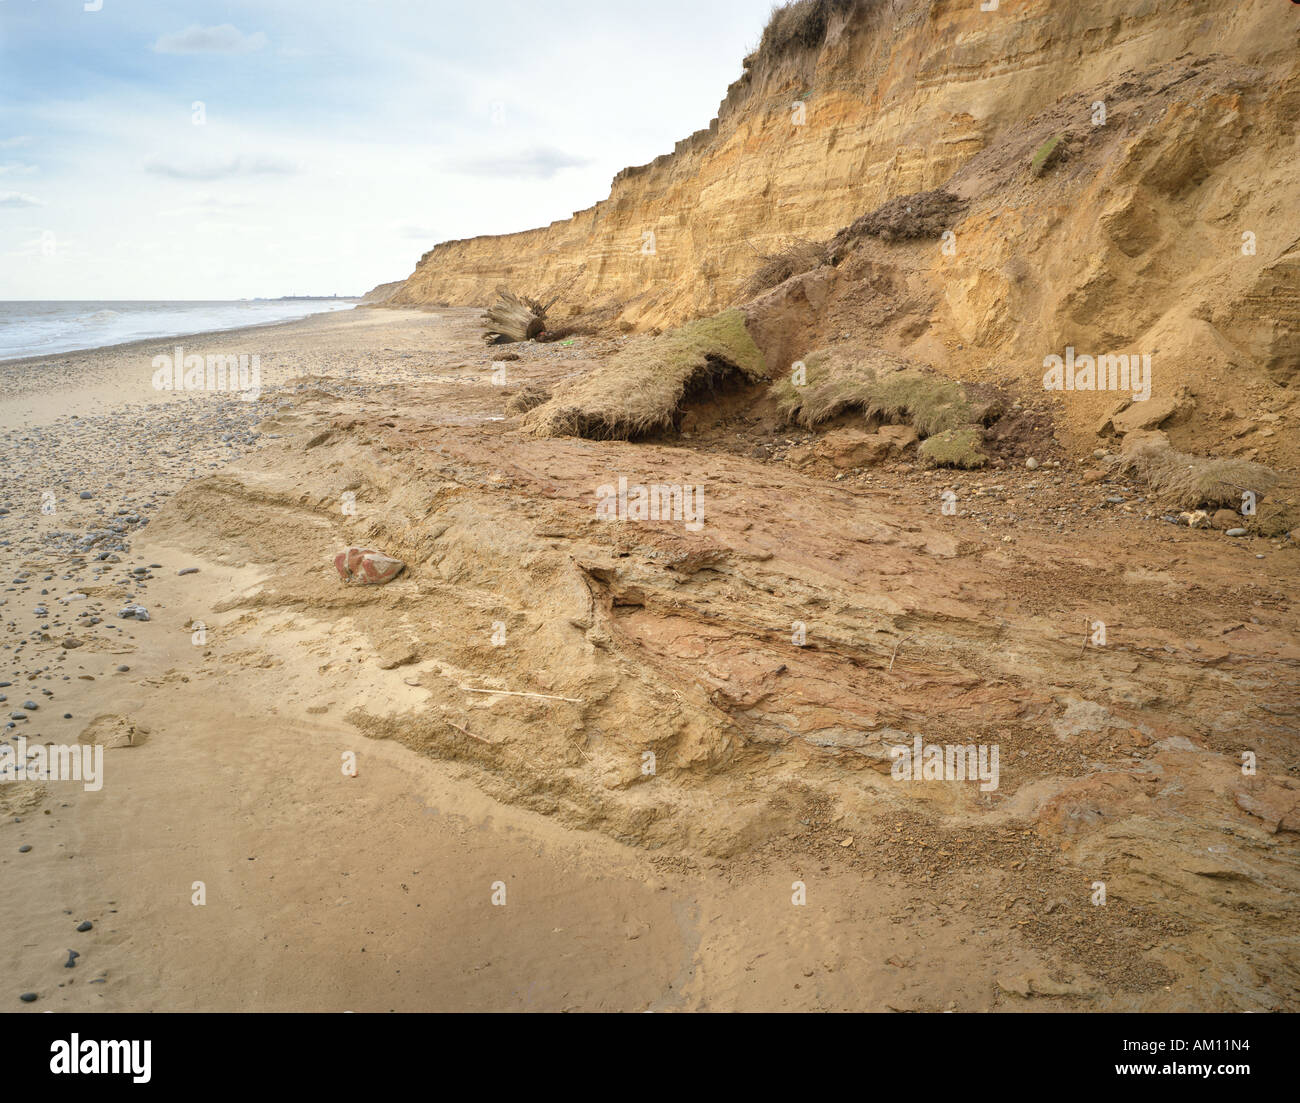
(800, 26)
(793, 259)
(528, 397)
(641, 389)
(1043, 158)
(954, 448)
(879, 385)
(833, 383)
(1184, 481)
(918, 216)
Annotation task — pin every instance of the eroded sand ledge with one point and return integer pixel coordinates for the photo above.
(628, 891)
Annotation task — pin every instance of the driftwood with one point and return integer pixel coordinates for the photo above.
(512, 318)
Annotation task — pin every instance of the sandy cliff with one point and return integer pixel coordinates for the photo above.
(897, 98)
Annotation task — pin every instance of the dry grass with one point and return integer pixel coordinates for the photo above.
(799, 26)
(794, 259)
(1184, 481)
(922, 215)
(641, 389)
(528, 397)
(879, 385)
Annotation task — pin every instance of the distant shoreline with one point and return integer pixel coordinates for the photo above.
(140, 342)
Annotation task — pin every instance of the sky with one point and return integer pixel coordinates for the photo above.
(192, 150)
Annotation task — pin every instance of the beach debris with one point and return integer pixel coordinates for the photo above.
(367, 567)
(509, 693)
(513, 318)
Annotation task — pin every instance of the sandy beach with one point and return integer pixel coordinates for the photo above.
(501, 845)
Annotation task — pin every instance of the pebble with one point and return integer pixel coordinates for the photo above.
(1238, 532)
(1032, 464)
(28, 997)
(71, 963)
(24, 848)
(85, 926)
(187, 570)
(86, 495)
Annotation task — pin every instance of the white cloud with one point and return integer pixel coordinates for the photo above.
(225, 39)
(19, 199)
(16, 168)
(538, 164)
(10, 143)
(220, 169)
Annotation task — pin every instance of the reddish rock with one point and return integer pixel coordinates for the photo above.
(367, 567)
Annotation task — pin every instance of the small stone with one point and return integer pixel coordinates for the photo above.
(1032, 464)
(71, 963)
(85, 926)
(30, 706)
(28, 997)
(86, 495)
(187, 570)
(1238, 532)
(24, 848)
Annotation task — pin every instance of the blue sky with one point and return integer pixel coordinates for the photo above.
(335, 142)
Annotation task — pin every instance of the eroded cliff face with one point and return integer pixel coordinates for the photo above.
(900, 96)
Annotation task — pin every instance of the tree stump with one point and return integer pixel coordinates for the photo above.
(513, 318)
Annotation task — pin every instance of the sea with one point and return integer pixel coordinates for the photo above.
(39, 328)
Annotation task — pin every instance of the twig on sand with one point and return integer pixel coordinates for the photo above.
(1087, 632)
(463, 731)
(508, 693)
(895, 657)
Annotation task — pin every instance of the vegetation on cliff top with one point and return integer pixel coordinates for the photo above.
(801, 25)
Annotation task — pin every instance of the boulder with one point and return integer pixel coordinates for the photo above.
(848, 449)
(1226, 519)
(367, 567)
(1145, 442)
(1150, 414)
